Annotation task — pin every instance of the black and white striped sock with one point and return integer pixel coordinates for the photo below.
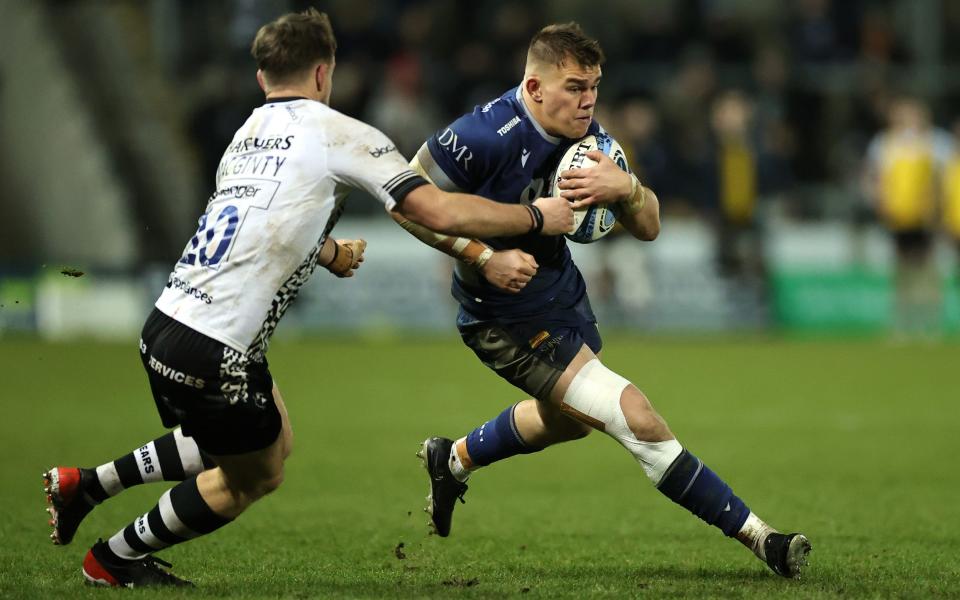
(171, 457)
(182, 514)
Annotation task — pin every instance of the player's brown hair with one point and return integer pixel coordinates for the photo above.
(554, 43)
(293, 43)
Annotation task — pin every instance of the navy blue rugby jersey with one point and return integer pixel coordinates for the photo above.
(499, 151)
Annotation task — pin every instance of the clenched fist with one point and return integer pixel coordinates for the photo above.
(347, 257)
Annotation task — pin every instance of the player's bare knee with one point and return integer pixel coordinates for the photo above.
(250, 485)
(641, 418)
(271, 484)
(252, 490)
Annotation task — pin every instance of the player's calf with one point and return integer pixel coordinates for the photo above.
(542, 424)
(611, 404)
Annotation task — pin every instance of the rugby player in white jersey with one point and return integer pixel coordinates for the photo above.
(280, 190)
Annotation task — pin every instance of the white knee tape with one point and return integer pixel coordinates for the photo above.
(595, 391)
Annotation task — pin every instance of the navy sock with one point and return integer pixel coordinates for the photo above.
(689, 483)
(497, 439)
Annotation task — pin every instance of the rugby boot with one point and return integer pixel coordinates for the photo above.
(445, 490)
(101, 568)
(786, 554)
(65, 488)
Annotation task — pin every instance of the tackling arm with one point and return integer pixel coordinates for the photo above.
(508, 270)
(467, 214)
(469, 251)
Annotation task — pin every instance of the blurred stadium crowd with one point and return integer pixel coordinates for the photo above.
(736, 112)
(803, 85)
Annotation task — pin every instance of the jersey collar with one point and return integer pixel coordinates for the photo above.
(284, 99)
(553, 140)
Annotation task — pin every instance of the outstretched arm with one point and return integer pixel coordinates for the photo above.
(371, 163)
(472, 252)
(469, 215)
(507, 270)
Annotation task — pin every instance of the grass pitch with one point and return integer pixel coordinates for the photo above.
(853, 443)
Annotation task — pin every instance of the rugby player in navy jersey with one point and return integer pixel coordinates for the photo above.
(524, 309)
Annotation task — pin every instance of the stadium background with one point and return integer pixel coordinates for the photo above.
(114, 113)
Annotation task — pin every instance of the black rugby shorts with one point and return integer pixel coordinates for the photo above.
(216, 394)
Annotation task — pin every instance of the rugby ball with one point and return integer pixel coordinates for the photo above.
(593, 222)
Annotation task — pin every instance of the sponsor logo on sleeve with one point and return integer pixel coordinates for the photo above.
(461, 152)
(378, 152)
(489, 105)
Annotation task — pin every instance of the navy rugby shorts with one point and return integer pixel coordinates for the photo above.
(215, 393)
(532, 354)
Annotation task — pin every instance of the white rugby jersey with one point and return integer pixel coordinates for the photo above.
(280, 189)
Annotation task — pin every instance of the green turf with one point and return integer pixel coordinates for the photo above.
(854, 443)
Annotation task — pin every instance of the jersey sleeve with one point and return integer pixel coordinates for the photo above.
(369, 161)
(456, 158)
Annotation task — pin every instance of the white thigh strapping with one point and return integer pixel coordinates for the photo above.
(595, 391)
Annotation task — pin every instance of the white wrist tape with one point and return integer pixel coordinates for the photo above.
(484, 257)
(595, 391)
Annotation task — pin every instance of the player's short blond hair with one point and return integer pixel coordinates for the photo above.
(286, 47)
(553, 44)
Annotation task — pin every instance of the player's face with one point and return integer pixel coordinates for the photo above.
(569, 97)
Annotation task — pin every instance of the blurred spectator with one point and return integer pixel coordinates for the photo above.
(823, 31)
(737, 175)
(902, 175)
(654, 30)
(635, 123)
(684, 102)
(401, 108)
(951, 195)
(878, 39)
(776, 107)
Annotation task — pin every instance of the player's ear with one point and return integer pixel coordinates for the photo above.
(261, 82)
(533, 87)
(320, 76)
